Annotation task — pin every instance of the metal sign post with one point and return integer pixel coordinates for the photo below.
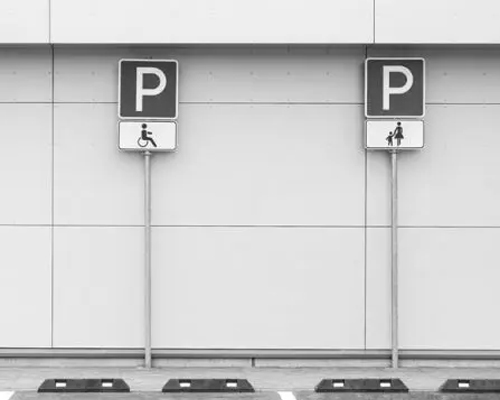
(148, 138)
(147, 258)
(394, 136)
(394, 259)
(394, 106)
(148, 107)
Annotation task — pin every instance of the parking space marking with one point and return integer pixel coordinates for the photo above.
(6, 395)
(287, 396)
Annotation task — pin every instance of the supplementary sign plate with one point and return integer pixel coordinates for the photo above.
(147, 135)
(394, 134)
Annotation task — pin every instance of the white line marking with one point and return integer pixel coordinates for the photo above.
(287, 396)
(6, 395)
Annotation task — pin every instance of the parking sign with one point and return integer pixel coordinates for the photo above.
(148, 89)
(395, 87)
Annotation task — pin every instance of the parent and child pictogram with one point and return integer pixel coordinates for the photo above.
(396, 134)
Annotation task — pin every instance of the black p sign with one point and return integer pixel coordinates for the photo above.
(148, 89)
(395, 87)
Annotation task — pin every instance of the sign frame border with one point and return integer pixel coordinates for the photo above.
(176, 90)
(397, 148)
(148, 149)
(394, 116)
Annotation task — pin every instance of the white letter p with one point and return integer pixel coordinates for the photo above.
(140, 91)
(387, 90)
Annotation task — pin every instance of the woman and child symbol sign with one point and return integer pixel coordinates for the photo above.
(396, 134)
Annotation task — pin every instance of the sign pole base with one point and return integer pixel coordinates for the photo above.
(147, 259)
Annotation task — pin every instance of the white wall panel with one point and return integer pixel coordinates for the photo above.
(277, 74)
(25, 74)
(24, 21)
(90, 74)
(431, 21)
(448, 284)
(258, 288)
(378, 287)
(453, 181)
(462, 74)
(216, 21)
(263, 164)
(378, 185)
(95, 183)
(25, 164)
(98, 287)
(25, 286)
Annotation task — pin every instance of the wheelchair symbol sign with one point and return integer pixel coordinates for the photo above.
(147, 135)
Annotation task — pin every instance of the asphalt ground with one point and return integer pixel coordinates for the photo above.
(262, 379)
(264, 395)
(269, 383)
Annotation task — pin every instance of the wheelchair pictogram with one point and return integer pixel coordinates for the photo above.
(145, 139)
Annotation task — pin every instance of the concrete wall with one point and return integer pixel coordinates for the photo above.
(214, 21)
(270, 221)
(25, 21)
(249, 22)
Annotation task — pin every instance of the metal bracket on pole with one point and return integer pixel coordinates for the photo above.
(394, 259)
(147, 259)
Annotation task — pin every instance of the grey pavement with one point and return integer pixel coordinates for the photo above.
(264, 395)
(262, 379)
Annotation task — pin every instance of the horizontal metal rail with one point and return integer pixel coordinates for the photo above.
(250, 353)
